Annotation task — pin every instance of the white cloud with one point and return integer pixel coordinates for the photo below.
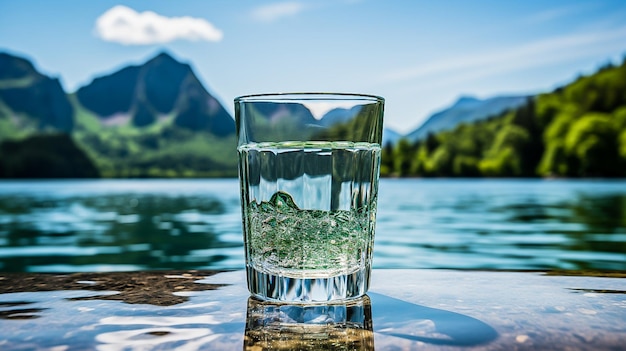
(272, 12)
(126, 26)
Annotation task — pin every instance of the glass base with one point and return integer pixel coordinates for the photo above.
(343, 325)
(273, 287)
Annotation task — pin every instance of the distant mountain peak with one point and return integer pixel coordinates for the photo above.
(466, 109)
(466, 100)
(160, 86)
(164, 55)
(164, 58)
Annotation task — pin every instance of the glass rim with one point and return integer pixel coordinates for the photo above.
(308, 96)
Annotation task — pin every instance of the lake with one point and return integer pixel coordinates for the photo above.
(126, 225)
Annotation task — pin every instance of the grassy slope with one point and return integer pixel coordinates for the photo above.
(14, 126)
(158, 150)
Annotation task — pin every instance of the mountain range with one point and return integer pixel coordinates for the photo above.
(154, 119)
(576, 130)
(157, 119)
(141, 95)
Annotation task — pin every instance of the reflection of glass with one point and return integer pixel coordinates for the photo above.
(336, 326)
(309, 165)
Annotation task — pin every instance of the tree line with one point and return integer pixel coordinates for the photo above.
(578, 130)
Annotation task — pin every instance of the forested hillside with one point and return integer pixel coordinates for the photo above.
(578, 130)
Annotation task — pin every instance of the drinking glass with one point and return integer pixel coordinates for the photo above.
(308, 168)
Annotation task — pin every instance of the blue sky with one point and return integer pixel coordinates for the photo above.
(420, 55)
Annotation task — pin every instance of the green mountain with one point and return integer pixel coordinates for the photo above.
(36, 118)
(158, 120)
(158, 88)
(151, 120)
(578, 130)
(30, 101)
(155, 120)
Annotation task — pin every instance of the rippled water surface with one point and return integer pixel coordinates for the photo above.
(118, 225)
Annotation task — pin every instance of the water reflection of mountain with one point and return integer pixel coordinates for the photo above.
(73, 226)
(593, 223)
(111, 232)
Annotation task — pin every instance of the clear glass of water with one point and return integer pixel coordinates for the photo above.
(309, 167)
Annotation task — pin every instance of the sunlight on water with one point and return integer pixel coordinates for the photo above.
(120, 225)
